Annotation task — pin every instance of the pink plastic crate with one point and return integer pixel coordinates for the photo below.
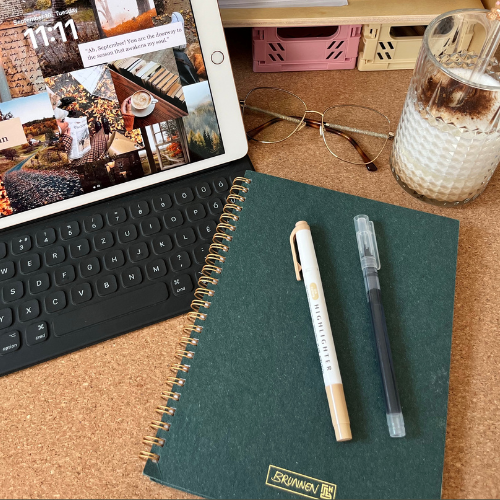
(305, 49)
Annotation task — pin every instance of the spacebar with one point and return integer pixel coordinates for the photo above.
(109, 309)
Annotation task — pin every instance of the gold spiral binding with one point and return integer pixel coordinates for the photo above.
(166, 395)
(206, 279)
(153, 440)
(176, 381)
(177, 367)
(197, 304)
(238, 188)
(185, 341)
(211, 258)
(231, 217)
(218, 246)
(192, 328)
(179, 354)
(222, 236)
(235, 197)
(192, 316)
(208, 270)
(231, 206)
(158, 425)
(201, 293)
(165, 410)
(146, 455)
(225, 225)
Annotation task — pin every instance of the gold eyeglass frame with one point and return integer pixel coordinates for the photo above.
(329, 127)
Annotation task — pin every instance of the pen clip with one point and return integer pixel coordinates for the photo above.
(298, 227)
(296, 263)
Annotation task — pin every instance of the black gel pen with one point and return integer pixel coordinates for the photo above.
(370, 264)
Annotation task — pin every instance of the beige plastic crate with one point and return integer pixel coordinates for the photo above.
(386, 46)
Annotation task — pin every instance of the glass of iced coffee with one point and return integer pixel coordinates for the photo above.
(447, 145)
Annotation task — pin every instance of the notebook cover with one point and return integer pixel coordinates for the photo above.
(253, 419)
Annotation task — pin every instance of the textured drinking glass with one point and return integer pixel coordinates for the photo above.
(447, 145)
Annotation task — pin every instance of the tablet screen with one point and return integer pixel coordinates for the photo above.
(96, 93)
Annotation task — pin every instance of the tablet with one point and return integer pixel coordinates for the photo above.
(103, 97)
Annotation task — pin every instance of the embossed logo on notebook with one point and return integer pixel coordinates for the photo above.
(299, 484)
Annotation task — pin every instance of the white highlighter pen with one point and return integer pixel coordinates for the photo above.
(307, 264)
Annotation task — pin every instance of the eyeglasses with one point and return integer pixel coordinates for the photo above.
(353, 134)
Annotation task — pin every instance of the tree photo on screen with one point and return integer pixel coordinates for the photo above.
(117, 17)
(201, 124)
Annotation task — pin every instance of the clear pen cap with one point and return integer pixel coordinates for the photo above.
(367, 242)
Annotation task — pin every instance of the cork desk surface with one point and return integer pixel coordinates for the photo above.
(73, 427)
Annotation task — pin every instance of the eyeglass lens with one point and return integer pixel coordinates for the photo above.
(272, 115)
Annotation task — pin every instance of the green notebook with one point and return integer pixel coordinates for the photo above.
(253, 419)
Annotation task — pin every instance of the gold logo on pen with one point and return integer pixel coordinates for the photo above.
(314, 291)
(299, 484)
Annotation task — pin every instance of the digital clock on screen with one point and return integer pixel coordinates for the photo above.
(47, 33)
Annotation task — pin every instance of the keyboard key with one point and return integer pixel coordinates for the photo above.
(139, 209)
(21, 245)
(173, 219)
(203, 190)
(131, 277)
(156, 269)
(183, 196)
(79, 249)
(109, 308)
(39, 283)
(13, 291)
(196, 212)
(103, 241)
(180, 262)
(207, 230)
(3, 249)
(93, 223)
(221, 185)
(150, 226)
(30, 264)
(7, 270)
(55, 256)
(116, 216)
(161, 203)
(185, 237)
(6, 318)
(162, 244)
(29, 310)
(36, 333)
(69, 230)
(107, 285)
(201, 252)
(181, 285)
(65, 275)
(138, 252)
(9, 342)
(114, 259)
(81, 293)
(127, 233)
(46, 237)
(90, 267)
(215, 206)
(55, 302)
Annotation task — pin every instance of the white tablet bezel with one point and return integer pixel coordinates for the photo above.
(220, 78)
